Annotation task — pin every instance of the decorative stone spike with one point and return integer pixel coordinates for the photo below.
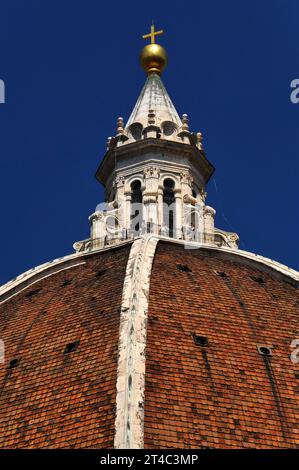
(199, 136)
(109, 142)
(120, 126)
(185, 123)
(203, 194)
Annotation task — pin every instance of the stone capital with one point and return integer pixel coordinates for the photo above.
(119, 181)
(151, 172)
(186, 178)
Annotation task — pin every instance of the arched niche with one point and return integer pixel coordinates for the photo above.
(136, 206)
(169, 222)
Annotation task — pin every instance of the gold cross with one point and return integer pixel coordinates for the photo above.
(152, 34)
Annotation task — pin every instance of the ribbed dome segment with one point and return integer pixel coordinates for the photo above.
(154, 97)
(206, 384)
(152, 337)
(62, 334)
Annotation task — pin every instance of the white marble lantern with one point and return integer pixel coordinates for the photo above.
(154, 172)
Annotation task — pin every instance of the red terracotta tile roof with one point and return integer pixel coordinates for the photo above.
(224, 394)
(53, 398)
(206, 383)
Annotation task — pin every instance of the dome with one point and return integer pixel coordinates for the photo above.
(211, 351)
(158, 332)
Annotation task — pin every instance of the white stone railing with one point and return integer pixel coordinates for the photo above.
(218, 237)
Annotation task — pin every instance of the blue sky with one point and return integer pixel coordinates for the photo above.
(71, 68)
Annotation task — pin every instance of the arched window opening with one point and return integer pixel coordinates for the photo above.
(136, 130)
(169, 207)
(169, 128)
(136, 206)
(168, 192)
(193, 219)
(171, 224)
(194, 230)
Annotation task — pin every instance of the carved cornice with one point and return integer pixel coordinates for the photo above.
(195, 156)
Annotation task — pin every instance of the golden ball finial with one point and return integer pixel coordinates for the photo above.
(153, 57)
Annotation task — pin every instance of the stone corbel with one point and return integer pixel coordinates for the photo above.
(209, 211)
(112, 204)
(98, 215)
(188, 199)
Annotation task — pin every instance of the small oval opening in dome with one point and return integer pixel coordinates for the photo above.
(13, 363)
(168, 128)
(200, 340)
(264, 350)
(71, 347)
(136, 130)
(184, 268)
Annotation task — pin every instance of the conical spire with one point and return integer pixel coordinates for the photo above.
(154, 115)
(154, 97)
